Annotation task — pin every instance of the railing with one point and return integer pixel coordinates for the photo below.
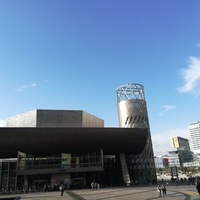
(58, 166)
(48, 169)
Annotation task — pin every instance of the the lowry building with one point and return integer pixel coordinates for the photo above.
(70, 147)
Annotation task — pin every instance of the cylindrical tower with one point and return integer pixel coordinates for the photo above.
(132, 113)
(132, 109)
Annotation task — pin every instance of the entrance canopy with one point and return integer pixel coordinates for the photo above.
(44, 141)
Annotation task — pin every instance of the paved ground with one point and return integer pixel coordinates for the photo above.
(124, 193)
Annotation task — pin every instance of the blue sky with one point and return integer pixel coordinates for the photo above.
(74, 54)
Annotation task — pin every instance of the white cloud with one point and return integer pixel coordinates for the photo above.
(162, 140)
(24, 87)
(166, 108)
(33, 84)
(191, 77)
(198, 44)
(2, 123)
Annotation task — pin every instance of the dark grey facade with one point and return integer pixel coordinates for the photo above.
(55, 118)
(44, 141)
(180, 142)
(74, 156)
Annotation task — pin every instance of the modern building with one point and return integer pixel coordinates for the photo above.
(161, 162)
(132, 112)
(195, 163)
(194, 130)
(53, 147)
(178, 156)
(180, 142)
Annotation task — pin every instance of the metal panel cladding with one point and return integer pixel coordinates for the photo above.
(132, 113)
(132, 110)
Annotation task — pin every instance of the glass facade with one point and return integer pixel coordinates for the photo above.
(28, 172)
(8, 174)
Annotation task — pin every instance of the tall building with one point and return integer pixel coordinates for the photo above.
(179, 142)
(132, 112)
(194, 130)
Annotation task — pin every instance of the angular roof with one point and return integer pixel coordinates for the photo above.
(46, 141)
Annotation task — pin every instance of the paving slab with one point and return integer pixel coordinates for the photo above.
(123, 193)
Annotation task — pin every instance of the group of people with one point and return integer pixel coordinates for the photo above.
(95, 186)
(46, 188)
(162, 191)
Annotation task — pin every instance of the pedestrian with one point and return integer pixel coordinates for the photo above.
(92, 185)
(164, 190)
(95, 186)
(44, 188)
(198, 187)
(176, 182)
(61, 190)
(17, 198)
(159, 190)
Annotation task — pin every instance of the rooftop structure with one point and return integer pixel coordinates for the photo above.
(55, 118)
(180, 142)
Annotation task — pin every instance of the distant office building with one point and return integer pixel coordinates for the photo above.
(194, 130)
(161, 161)
(179, 142)
(55, 118)
(178, 156)
(195, 163)
(165, 161)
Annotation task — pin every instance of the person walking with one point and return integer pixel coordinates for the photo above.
(92, 185)
(62, 189)
(198, 187)
(159, 190)
(164, 190)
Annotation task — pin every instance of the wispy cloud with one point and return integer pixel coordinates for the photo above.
(24, 87)
(191, 77)
(166, 108)
(198, 44)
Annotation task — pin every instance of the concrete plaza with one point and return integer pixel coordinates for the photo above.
(123, 193)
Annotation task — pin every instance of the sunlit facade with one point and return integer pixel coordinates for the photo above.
(194, 130)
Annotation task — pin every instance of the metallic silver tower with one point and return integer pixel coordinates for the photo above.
(132, 109)
(132, 113)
